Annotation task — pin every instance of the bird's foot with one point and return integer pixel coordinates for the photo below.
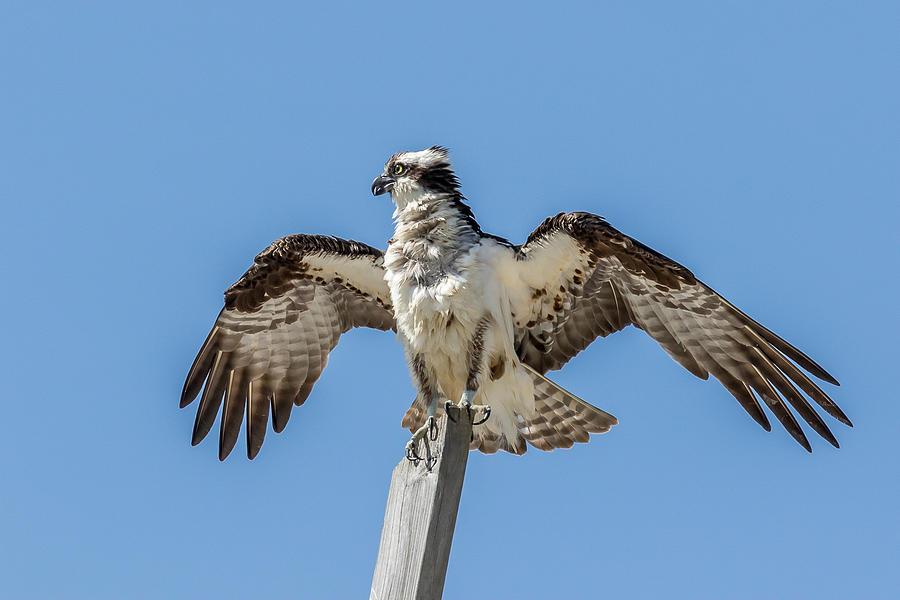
(481, 412)
(425, 433)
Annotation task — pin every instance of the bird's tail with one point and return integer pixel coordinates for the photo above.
(561, 418)
(558, 420)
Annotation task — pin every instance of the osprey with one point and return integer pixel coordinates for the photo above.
(481, 321)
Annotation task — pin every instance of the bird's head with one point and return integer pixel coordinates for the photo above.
(408, 175)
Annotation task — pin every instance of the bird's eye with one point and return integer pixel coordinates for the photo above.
(399, 169)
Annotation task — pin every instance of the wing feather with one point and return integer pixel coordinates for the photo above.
(800, 379)
(258, 402)
(211, 399)
(270, 343)
(764, 388)
(232, 412)
(202, 364)
(790, 393)
(582, 279)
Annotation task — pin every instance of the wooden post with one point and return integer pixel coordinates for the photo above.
(421, 515)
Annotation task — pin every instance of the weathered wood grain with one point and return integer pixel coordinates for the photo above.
(420, 517)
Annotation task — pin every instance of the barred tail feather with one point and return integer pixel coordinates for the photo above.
(560, 418)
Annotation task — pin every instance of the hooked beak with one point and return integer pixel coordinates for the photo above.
(382, 184)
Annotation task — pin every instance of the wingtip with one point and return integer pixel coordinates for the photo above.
(197, 435)
(189, 392)
(801, 438)
(814, 368)
(280, 417)
(254, 442)
(831, 439)
(840, 416)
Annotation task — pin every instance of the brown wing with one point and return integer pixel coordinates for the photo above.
(280, 322)
(587, 279)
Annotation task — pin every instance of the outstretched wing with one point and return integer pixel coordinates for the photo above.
(280, 322)
(585, 279)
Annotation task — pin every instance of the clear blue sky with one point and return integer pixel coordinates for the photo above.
(148, 152)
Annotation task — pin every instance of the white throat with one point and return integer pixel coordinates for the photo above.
(430, 233)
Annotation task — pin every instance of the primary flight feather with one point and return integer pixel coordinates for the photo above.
(481, 322)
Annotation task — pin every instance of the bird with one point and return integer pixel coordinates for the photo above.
(481, 321)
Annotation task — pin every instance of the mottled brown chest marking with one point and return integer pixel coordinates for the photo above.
(497, 366)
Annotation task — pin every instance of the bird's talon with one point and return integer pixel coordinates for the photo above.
(428, 431)
(411, 455)
(447, 406)
(487, 413)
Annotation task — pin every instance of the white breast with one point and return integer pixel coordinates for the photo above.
(437, 315)
(430, 299)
